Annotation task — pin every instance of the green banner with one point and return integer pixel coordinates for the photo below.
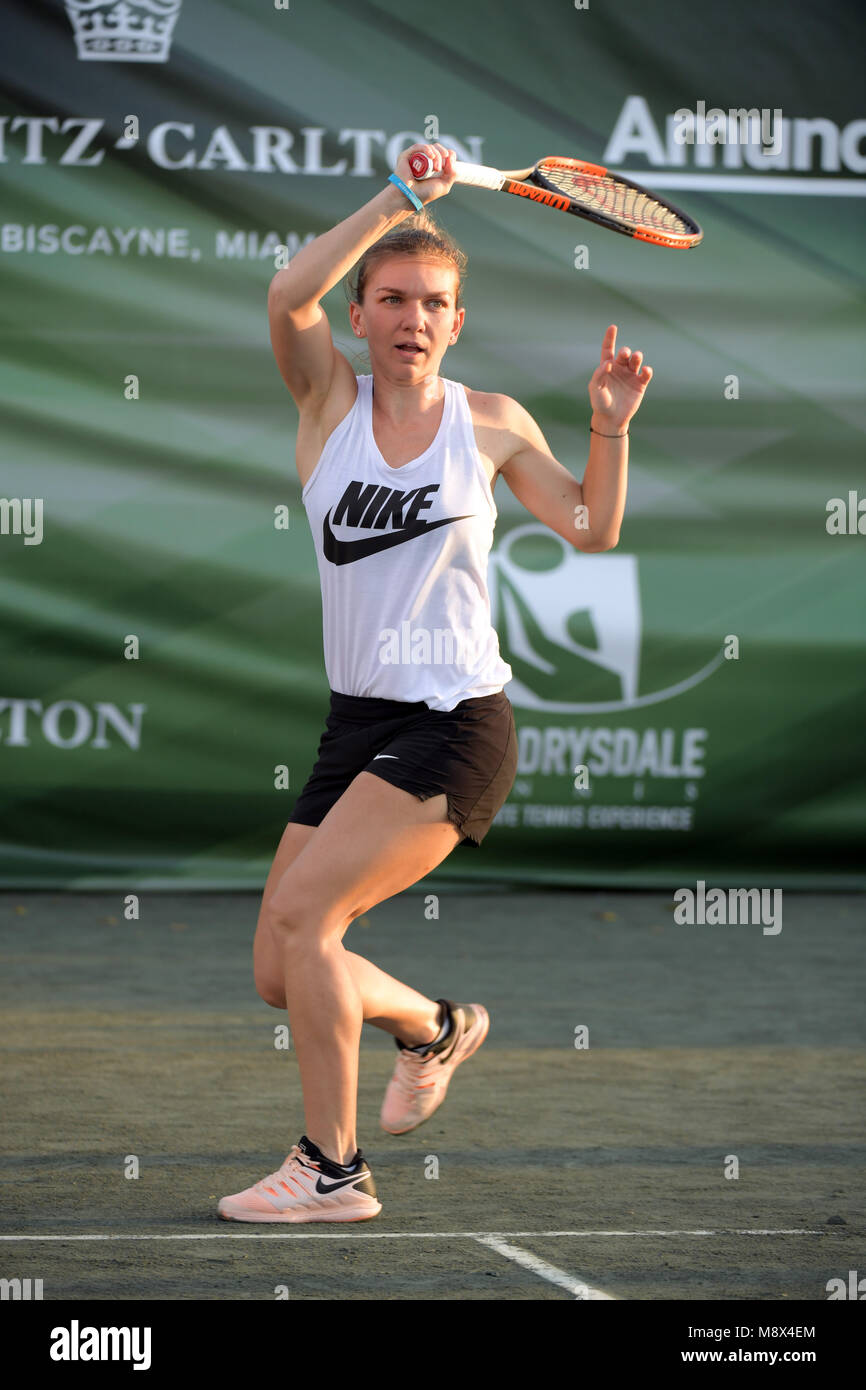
(689, 705)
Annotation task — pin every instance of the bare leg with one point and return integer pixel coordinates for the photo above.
(376, 841)
(393, 1006)
(388, 1003)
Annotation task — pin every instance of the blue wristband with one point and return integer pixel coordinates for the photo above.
(395, 178)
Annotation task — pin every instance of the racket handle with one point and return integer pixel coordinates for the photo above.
(478, 174)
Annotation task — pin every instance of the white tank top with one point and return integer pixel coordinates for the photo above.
(402, 555)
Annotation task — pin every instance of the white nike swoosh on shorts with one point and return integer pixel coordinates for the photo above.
(386, 755)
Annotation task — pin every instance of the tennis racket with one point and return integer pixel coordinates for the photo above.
(586, 190)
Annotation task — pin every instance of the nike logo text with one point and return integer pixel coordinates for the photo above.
(373, 505)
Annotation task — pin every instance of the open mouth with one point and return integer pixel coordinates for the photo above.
(409, 350)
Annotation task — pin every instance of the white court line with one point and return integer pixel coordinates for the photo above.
(413, 1235)
(553, 1275)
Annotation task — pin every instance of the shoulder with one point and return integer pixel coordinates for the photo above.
(498, 426)
(503, 426)
(492, 407)
(495, 410)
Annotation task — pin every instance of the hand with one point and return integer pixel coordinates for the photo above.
(617, 385)
(435, 186)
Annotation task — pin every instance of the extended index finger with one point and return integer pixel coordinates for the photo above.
(608, 346)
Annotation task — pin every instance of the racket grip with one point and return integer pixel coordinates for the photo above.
(478, 174)
(421, 165)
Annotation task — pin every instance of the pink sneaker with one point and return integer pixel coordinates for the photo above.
(308, 1187)
(420, 1080)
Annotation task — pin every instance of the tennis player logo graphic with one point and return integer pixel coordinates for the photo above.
(570, 622)
(123, 31)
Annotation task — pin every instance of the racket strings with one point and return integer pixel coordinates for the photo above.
(611, 198)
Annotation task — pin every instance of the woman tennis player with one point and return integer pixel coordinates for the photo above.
(419, 751)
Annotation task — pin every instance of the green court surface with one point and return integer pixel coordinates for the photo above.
(564, 1172)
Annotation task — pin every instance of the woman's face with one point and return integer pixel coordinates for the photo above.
(409, 300)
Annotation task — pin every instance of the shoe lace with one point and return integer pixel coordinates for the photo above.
(294, 1160)
(409, 1072)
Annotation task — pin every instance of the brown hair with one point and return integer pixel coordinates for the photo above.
(418, 235)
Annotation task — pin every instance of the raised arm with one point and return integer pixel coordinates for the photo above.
(589, 514)
(300, 332)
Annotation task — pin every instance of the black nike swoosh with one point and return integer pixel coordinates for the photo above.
(340, 1182)
(344, 552)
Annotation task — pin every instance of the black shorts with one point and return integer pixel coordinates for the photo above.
(469, 753)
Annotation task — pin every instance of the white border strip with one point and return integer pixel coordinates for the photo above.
(585, 1292)
(747, 183)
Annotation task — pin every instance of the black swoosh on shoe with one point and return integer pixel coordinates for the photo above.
(344, 552)
(340, 1182)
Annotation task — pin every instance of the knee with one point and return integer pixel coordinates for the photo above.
(269, 963)
(276, 933)
(302, 924)
(268, 977)
(272, 991)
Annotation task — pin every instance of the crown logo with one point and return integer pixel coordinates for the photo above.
(123, 31)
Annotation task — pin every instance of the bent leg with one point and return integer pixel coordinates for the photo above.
(374, 842)
(393, 1006)
(267, 961)
(388, 1004)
